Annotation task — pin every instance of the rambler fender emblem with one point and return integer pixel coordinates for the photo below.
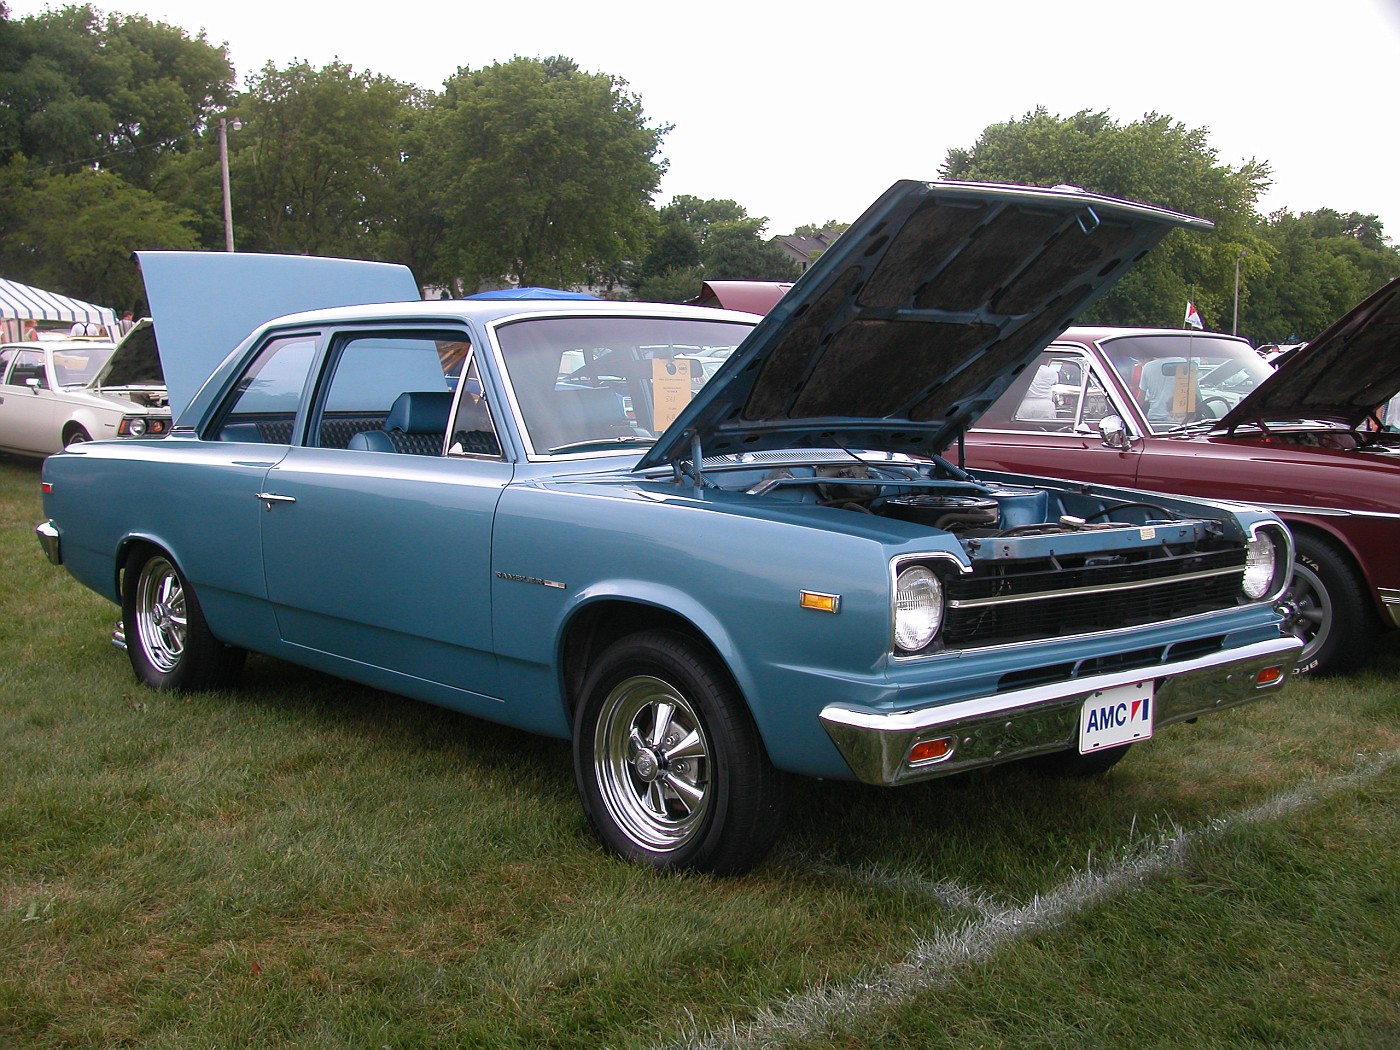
(530, 579)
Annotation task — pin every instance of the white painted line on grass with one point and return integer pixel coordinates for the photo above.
(947, 892)
(931, 963)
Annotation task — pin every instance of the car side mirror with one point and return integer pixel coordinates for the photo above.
(34, 384)
(1114, 433)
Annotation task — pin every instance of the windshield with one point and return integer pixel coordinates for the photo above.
(77, 366)
(1182, 379)
(598, 382)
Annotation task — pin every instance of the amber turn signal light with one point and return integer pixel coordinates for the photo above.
(926, 751)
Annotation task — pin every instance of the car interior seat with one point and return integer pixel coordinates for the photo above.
(416, 424)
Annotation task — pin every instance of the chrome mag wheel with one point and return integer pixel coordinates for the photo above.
(162, 623)
(652, 763)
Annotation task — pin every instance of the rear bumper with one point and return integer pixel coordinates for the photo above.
(47, 532)
(989, 730)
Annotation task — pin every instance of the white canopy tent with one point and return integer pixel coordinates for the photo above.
(20, 302)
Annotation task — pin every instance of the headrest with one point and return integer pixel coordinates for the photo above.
(420, 412)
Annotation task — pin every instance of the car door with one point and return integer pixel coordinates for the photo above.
(377, 544)
(29, 414)
(1047, 423)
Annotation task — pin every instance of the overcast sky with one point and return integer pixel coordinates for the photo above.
(804, 113)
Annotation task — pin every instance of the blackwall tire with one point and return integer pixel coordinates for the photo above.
(1333, 614)
(669, 764)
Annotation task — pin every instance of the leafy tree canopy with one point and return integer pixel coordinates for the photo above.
(1157, 160)
(1322, 264)
(74, 234)
(545, 173)
(699, 215)
(119, 92)
(828, 227)
(736, 251)
(677, 285)
(315, 166)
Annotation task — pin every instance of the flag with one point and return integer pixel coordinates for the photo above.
(1193, 316)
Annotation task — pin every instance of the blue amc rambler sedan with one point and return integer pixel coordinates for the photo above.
(552, 514)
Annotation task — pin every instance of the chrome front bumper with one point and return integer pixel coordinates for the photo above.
(989, 730)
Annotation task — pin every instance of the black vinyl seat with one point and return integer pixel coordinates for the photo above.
(416, 424)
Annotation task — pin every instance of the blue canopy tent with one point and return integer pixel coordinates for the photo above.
(531, 292)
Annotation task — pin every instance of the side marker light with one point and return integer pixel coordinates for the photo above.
(829, 603)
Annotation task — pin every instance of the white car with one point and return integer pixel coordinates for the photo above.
(54, 394)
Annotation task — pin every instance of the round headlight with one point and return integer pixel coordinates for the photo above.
(1260, 565)
(918, 608)
(136, 427)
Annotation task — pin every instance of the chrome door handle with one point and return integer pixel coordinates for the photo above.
(269, 498)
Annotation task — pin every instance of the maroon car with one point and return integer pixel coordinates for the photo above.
(1199, 413)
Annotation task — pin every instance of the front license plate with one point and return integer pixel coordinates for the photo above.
(1116, 716)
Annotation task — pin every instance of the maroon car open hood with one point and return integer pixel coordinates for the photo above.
(1342, 376)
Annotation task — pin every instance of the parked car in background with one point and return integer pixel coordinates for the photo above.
(526, 511)
(58, 393)
(1200, 413)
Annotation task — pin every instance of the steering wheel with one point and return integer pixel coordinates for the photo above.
(1225, 406)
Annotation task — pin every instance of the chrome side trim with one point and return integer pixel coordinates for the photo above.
(1328, 512)
(1004, 727)
(1390, 597)
(47, 533)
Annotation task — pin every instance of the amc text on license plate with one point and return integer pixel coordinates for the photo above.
(1116, 716)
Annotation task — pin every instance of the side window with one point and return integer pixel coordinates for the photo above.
(6, 356)
(1048, 397)
(29, 364)
(1096, 404)
(390, 392)
(473, 432)
(267, 397)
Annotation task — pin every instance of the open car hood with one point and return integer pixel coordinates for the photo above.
(204, 304)
(135, 361)
(1341, 376)
(908, 327)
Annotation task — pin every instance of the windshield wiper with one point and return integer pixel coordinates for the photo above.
(1193, 426)
(622, 439)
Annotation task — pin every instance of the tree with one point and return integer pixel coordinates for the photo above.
(316, 166)
(831, 226)
(543, 172)
(677, 285)
(1323, 263)
(699, 215)
(75, 233)
(736, 251)
(118, 92)
(1157, 160)
(673, 248)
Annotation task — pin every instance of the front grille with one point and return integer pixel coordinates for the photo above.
(1010, 601)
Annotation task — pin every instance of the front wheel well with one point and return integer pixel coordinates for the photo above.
(1339, 547)
(602, 624)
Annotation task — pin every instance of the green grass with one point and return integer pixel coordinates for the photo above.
(304, 862)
